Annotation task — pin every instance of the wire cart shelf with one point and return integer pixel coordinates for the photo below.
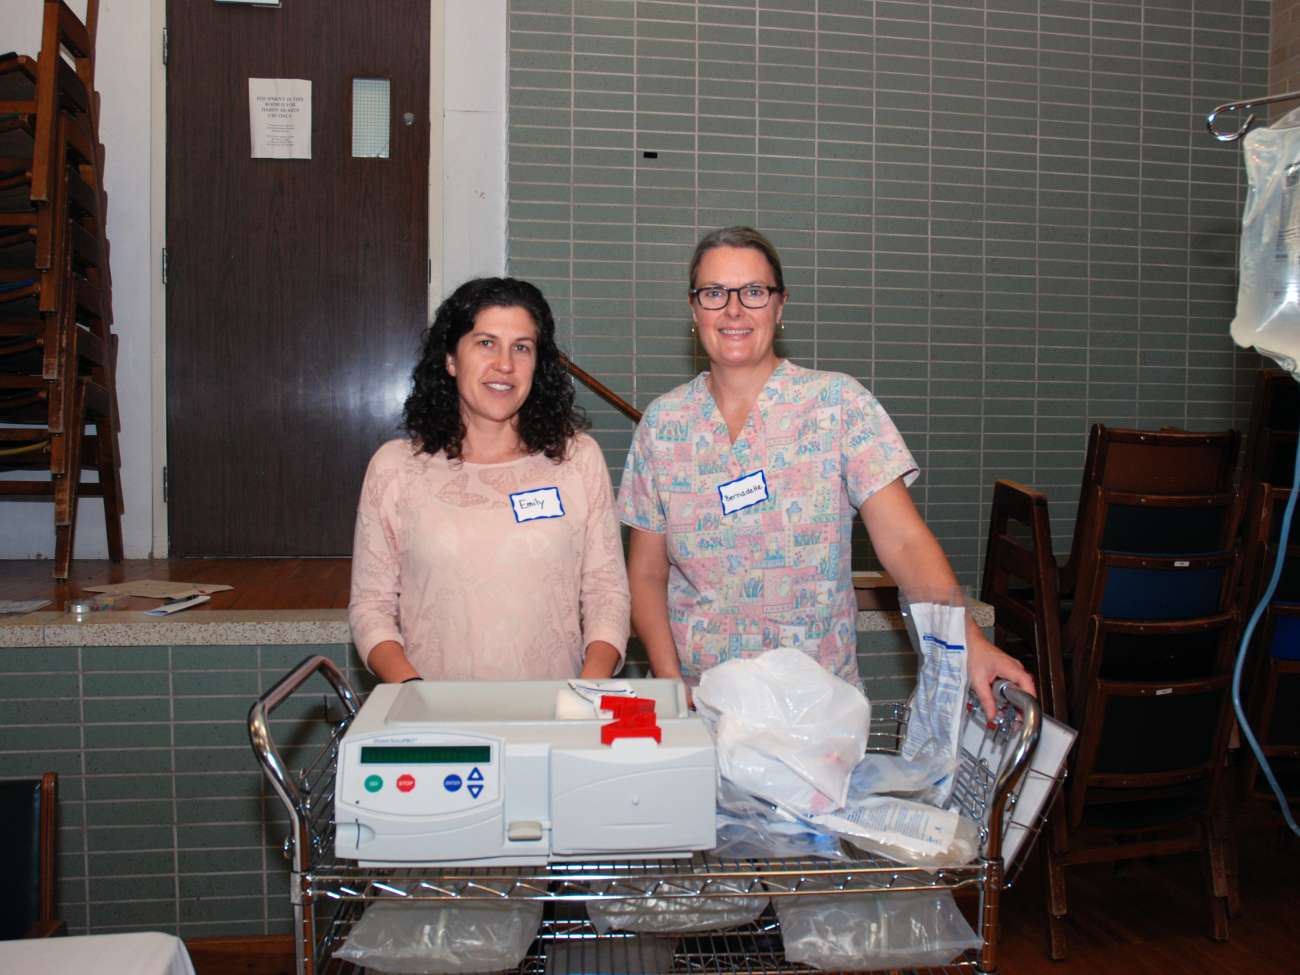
(328, 894)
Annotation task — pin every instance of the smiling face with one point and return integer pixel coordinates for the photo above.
(735, 336)
(493, 366)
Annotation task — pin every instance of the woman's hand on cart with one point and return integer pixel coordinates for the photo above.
(986, 663)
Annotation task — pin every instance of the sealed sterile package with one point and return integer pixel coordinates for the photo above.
(877, 930)
(938, 704)
(908, 832)
(904, 830)
(1268, 286)
(682, 914)
(414, 938)
(786, 729)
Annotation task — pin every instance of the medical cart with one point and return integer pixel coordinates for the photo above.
(328, 894)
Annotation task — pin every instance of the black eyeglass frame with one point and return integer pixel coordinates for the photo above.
(772, 289)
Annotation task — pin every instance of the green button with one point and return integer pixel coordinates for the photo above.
(374, 783)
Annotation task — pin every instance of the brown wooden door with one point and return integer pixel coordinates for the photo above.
(296, 289)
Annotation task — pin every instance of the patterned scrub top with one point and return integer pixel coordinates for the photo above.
(775, 571)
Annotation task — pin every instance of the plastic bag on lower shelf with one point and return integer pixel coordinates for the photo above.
(680, 914)
(908, 929)
(423, 938)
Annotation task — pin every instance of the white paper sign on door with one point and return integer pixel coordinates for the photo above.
(279, 117)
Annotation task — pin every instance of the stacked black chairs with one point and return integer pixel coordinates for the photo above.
(1132, 639)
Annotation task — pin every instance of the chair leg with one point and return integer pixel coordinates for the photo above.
(1217, 883)
(1223, 811)
(1058, 947)
(1233, 868)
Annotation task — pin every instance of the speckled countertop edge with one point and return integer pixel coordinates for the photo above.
(213, 628)
(879, 620)
(285, 627)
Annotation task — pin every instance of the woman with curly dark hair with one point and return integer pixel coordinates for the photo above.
(486, 544)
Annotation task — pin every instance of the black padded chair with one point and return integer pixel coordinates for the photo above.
(1273, 674)
(27, 846)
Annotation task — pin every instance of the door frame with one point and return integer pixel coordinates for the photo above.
(468, 78)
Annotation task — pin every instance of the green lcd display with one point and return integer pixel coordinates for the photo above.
(425, 754)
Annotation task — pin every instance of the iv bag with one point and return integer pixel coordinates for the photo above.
(1268, 291)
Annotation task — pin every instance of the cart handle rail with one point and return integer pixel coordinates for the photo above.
(1031, 713)
(259, 733)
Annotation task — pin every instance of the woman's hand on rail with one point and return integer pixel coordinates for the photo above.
(986, 663)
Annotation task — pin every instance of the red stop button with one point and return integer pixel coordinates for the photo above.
(405, 783)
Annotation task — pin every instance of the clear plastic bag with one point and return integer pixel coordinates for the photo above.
(909, 929)
(679, 914)
(414, 938)
(752, 829)
(786, 730)
(1268, 287)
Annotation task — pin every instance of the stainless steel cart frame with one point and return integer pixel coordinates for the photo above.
(328, 894)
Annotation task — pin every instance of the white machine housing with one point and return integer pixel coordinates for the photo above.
(472, 773)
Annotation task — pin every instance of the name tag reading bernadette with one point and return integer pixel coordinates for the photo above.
(743, 492)
(541, 503)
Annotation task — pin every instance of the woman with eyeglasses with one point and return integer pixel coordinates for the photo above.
(486, 542)
(740, 489)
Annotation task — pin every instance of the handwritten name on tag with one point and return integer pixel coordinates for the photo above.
(541, 503)
(743, 492)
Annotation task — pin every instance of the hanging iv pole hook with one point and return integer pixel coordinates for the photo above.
(1243, 106)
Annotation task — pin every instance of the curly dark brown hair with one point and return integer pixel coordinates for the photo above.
(549, 417)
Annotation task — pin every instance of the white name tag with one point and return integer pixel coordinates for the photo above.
(541, 503)
(743, 492)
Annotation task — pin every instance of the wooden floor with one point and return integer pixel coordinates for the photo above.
(259, 583)
(1151, 917)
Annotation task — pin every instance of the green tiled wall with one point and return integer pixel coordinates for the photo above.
(1005, 217)
(165, 820)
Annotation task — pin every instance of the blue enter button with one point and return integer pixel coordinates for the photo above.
(452, 783)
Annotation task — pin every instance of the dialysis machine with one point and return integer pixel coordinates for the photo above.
(517, 773)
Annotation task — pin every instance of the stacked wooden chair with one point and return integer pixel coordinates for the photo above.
(1132, 640)
(57, 348)
(1273, 675)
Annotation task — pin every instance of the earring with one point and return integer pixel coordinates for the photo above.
(692, 328)
(782, 324)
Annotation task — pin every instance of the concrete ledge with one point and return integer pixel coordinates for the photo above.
(273, 627)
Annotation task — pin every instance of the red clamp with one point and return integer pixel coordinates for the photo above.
(642, 725)
(623, 706)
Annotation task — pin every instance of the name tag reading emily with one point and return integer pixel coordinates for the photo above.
(743, 492)
(541, 503)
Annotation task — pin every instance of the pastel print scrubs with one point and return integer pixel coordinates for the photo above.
(759, 531)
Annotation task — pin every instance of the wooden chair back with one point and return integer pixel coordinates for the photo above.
(1020, 583)
(1149, 501)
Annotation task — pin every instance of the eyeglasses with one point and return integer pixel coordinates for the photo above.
(714, 297)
